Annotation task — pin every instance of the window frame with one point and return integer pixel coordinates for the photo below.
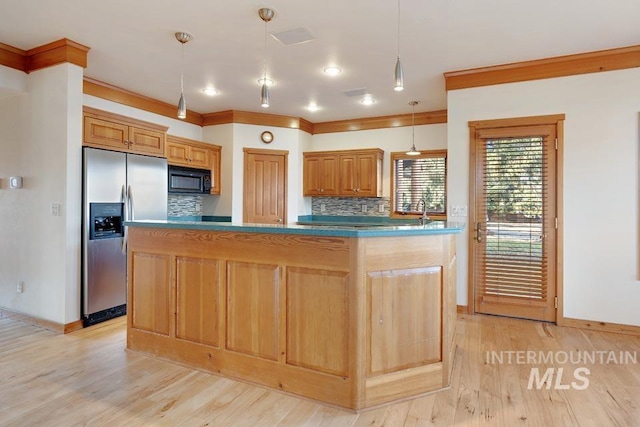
(394, 156)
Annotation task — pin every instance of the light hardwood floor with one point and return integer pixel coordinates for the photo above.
(88, 378)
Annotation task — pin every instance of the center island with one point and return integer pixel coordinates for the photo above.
(353, 316)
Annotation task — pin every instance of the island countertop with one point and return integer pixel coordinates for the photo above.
(336, 229)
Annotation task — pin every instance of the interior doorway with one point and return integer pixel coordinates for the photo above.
(265, 186)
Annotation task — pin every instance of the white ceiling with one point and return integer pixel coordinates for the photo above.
(133, 45)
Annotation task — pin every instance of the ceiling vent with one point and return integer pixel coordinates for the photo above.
(356, 92)
(295, 36)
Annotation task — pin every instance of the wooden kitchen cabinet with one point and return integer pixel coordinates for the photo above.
(195, 154)
(343, 173)
(115, 132)
(320, 174)
(361, 173)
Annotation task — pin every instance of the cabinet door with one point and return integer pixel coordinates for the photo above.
(146, 141)
(311, 181)
(177, 154)
(105, 134)
(348, 175)
(200, 157)
(365, 175)
(329, 175)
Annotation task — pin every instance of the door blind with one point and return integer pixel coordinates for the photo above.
(513, 264)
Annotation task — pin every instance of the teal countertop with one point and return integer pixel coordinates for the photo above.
(354, 227)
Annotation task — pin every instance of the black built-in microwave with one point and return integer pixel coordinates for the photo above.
(189, 180)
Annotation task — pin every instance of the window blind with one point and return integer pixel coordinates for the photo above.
(420, 179)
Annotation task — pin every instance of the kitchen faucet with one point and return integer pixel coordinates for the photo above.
(424, 218)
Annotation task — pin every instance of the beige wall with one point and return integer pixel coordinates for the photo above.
(600, 181)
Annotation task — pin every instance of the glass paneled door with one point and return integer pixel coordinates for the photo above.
(514, 221)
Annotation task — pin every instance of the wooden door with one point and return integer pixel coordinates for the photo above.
(514, 217)
(105, 134)
(177, 154)
(265, 186)
(200, 157)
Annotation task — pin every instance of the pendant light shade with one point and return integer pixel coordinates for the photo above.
(266, 15)
(264, 96)
(398, 74)
(183, 38)
(413, 151)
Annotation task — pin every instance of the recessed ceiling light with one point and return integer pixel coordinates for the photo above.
(368, 100)
(210, 90)
(269, 82)
(313, 107)
(332, 71)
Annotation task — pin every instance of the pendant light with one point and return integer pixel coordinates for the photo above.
(398, 75)
(266, 15)
(413, 151)
(182, 105)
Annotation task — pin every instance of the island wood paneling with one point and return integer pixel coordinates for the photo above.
(253, 309)
(317, 312)
(198, 300)
(293, 309)
(405, 328)
(149, 295)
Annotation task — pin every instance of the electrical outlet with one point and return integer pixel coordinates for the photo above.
(463, 210)
(55, 209)
(381, 208)
(20, 287)
(364, 208)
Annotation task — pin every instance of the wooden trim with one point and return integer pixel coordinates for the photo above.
(517, 121)
(595, 325)
(101, 114)
(559, 66)
(471, 294)
(368, 123)
(462, 309)
(13, 57)
(560, 216)
(42, 323)
(261, 119)
(265, 151)
(57, 52)
(122, 96)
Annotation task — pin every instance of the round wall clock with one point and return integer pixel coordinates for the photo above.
(266, 137)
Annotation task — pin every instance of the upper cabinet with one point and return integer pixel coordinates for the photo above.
(195, 154)
(320, 174)
(343, 173)
(115, 132)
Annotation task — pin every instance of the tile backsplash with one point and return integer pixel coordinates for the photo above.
(360, 206)
(184, 205)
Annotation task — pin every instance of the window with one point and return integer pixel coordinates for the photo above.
(419, 179)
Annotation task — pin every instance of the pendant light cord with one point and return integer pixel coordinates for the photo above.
(182, 71)
(413, 126)
(398, 29)
(265, 52)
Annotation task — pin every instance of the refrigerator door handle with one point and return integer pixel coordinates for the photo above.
(131, 205)
(125, 201)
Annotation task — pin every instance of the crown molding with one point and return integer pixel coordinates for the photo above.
(559, 66)
(369, 123)
(122, 96)
(13, 57)
(58, 52)
(47, 55)
(262, 119)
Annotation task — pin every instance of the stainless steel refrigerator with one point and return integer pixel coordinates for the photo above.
(116, 187)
